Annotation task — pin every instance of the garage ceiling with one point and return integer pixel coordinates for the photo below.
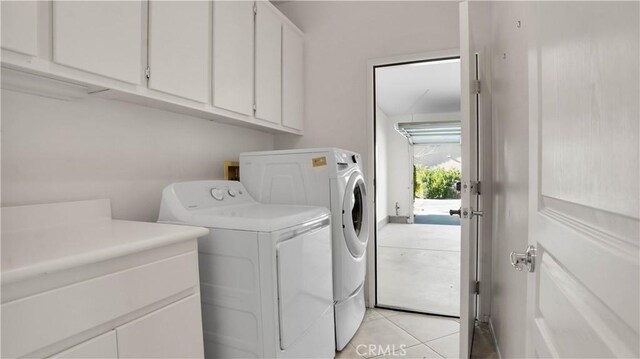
(424, 87)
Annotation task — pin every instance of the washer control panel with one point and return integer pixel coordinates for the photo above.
(231, 191)
(210, 194)
(217, 193)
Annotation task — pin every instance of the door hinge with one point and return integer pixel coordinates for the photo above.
(255, 8)
(476, 289)
(475, 87)
(254, 108)
(147, 72)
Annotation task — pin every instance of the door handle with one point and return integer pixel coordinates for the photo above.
(528, 259)
(465, 213)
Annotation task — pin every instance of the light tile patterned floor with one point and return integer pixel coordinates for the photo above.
(391, 334)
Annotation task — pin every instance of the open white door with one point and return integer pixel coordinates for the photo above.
(583, 294)
(469, 222)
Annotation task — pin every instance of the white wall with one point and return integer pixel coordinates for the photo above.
(55, 150)
(400, 171)
(382, 167)
(510, 171)
(340, 37)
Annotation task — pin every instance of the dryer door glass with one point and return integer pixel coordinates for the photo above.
(355, 222)
(356, 210)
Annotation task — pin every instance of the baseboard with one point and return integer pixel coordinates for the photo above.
(399, 219)
(495, 339)
(383, 222)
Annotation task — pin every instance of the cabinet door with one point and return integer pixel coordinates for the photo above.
(268, 64)
(174, 331)
(103, 37)
(20, 26)
(292, 78)
(179, 47)
(233, 56)
(103, 346)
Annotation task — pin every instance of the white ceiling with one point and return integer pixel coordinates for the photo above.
(425, 87)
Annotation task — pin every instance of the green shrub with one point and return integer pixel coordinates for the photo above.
(417, 185)
(435, 182)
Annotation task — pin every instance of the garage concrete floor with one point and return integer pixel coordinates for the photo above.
(418, 268)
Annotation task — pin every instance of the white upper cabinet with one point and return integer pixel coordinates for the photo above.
(102, 37)
(233, 56)
(20, 26)
(268, 64)
(292, 78)
(240, 61)
(179, 48)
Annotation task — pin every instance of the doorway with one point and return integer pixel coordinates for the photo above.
(417, 165)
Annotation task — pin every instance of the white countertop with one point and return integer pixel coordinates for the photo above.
(42, 239)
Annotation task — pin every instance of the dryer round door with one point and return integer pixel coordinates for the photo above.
(355, 215)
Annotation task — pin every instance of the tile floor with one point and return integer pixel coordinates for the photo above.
(419, 267)
(388, 334)
(391, 334)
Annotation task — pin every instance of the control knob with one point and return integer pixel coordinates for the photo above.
(217, 194)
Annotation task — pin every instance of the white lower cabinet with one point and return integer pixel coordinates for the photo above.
(134, 294)
(103, 346)
(174, 331)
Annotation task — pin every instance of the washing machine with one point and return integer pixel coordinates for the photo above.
(265, 271)
(331, 178)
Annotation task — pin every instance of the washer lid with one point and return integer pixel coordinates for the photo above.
(254, 217)
(227, 205)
